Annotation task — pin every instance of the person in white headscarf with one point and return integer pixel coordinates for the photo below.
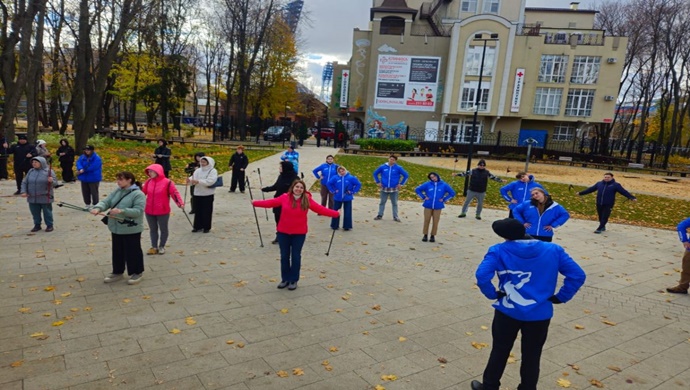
(204, 179)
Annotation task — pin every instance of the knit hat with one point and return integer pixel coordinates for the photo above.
(510, 229)
(89, 147)
(21, 137)
(482, 163)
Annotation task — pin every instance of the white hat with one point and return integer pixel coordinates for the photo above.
(40, 142)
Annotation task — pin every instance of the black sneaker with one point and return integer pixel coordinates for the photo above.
(478, 217)
(36, 228)
(476, 385)
(282, 284)
(378, 217)
(432, 239)
(425, 238)
(17, 193)
(463, 215)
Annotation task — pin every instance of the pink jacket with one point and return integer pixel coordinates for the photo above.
(294, 220)
(158, 192)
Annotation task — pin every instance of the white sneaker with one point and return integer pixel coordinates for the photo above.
(112, 278)
(161, 250)
(134, 279)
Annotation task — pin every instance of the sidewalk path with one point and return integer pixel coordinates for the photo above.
(382, 303)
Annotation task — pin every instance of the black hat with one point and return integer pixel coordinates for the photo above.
(89, 147)
(21, 136)
(510, 229)
(482, 163)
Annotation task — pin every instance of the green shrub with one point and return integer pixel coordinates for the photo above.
(386, 144)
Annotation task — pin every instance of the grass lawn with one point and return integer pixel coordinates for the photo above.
(135, 156)
(648, 211)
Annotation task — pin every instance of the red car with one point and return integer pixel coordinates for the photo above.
(326, 133)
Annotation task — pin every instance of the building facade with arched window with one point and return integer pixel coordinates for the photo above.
(546, 71)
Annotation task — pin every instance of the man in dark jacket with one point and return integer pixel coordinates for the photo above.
(238, 163)
(479, 180)
(23, 153)
(162, 155)
(606, 198)
(527, 272)
(281, 186)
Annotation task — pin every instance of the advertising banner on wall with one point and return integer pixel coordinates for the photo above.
(344, 88)
(517, 90)
(407, 82)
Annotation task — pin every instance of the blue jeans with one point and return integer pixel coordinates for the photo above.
(290, 256)
(347, 214)
(394, 202)
(37, 208)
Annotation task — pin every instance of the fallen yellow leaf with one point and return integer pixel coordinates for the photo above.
(282, 374)
(66, 294)
(333, 349)
(345, 297)
(126, 300)
(580, 327)
(145, 297)
(175, 331)
(563, 382)
(484, 327)
(58, 323)
(379, 387)
(614, 368)
(389, 378)
(57, 302)
(284, 311)
(47, 314)
(328, 368)
(190, 321)
(18, 363)
(37, 334)
(376, 307)
(240, 345)
(610, 323)
(297, 372)
(338, 310)
(477, 345)
(596, 383)
(49, 288)
(401, 339)
(230, 342)
(401, 322)
(80, 279)
(24, 310)
(87, 308)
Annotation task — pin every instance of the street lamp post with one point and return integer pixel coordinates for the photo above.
(529, 141)
(285, 121)
(477, 37)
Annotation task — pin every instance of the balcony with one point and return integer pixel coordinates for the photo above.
(564, 36)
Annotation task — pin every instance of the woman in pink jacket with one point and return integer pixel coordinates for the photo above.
(292, 228)
(159, 190)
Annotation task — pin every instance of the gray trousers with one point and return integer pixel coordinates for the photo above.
(89, 192)
(474, 195)
(158, 222)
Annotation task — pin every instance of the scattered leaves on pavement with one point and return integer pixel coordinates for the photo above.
(189, 321)
(563, 382)
(388, 378)
(175, 331)
(477, 345)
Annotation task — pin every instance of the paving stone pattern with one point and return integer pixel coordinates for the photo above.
(383, 303)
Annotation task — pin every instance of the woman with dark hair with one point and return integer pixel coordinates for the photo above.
(204, 179)
(66, 156)
(285, 178)
(292, 228)
(126, 206)
(162, 155)
(540, 215)
(191, 167)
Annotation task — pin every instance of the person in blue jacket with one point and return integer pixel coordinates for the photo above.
(541, 215)
(343, 186)
(527, 272)
(291, 156)
(390, 177)
(606, 198)
(684, 282)
(435, 193)
(90, 174)
(519, 190)
(324, 173)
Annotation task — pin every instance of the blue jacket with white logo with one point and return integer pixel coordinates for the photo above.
(554, 215)
(390, 175)
(435, 194)
(519, 191)
(682, 228)
(325, 172)
(527, 272)
(343, 188)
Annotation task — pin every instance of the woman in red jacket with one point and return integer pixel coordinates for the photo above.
(292, 228)
(158, 192)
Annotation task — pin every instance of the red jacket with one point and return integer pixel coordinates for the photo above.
(294, 220)
(158, 192)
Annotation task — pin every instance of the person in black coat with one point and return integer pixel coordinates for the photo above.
(238, 163)
(281, 186)
(162, 155)
(66, 157)
(23, 153)
(4, 153)
(606, 198)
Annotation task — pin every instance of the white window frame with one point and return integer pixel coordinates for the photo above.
(451, 124)
(547, 101)
(491, 6)
(552, 68)
(585, 70)
(468, 6)
(473, 60)
(468, 96)
(579, 102)
(465, 131)
(563, 132)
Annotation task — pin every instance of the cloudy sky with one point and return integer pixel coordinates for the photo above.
(327, 35)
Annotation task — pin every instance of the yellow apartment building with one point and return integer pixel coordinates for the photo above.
(547, 73)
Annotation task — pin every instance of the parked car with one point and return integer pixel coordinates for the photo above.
(327, 133)
(277, 133)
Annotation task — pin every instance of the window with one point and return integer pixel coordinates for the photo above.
(563, 132)
(450, 133)
(468, 6)
(585, 70)
(392, 25)
(491, 6)
(547, 101)
(466, 131)
(473, 60)
(579, 102)
(552, 68)
(468, 97)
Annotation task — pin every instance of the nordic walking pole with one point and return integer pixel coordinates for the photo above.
(330, 243)
(249, 187)
(261, 183)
